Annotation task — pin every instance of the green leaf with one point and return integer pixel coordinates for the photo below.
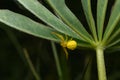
(115, 33)
(113, 43)
(101, 10)
(69, 18)
(88, 13)
(83, 45)
(26, 25)
(45, 15)
(113, 49)
(114, 18)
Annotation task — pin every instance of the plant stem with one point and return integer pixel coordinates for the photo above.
(31, 65)
(101, 63)
(57, 61)
(16, 44)
(24, 55)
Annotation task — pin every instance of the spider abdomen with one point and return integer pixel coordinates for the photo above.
(71, 44)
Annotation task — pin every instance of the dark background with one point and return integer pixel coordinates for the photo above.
(13, 67)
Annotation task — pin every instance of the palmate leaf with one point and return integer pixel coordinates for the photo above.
(101, 10)
(26, 25)
(83, 45)
(113, 43)
(115, 33)
(68, 17)
(45, 15)
(113, 47)
(114, 39)
(88, 13)
(114, 18)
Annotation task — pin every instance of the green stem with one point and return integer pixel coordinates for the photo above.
(57, 61)
(31, 65)
(101, 64)
(15, 42)
(21, 52)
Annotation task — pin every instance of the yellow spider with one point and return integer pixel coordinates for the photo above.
(65, 43)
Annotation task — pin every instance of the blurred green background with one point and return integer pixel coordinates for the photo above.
(13, 66)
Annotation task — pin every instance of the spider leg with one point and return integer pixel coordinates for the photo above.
(58, 35)
(66, 52)
(66, 38)
(71, 39)
(63, 42)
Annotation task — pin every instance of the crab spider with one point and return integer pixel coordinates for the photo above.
(66, 43)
